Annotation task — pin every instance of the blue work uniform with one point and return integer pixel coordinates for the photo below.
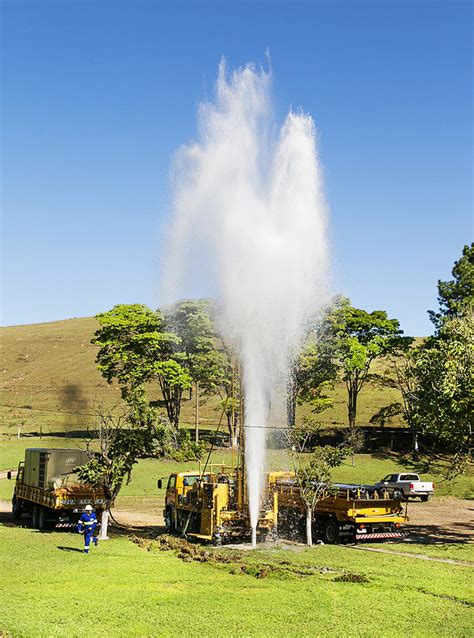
(87, 524)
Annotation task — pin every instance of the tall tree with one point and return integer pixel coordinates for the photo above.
(359, 338)
(443, 397)
(435, 378)
(223, 379)
(135, 349)
(191, 321)
(406, 381)
(313, 374)
(456, 297)
(208, 360)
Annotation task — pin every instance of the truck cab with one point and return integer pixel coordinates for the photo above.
(213, 506)
(179, 484)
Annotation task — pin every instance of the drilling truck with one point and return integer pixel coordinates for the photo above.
(212, 505)
(49, 492)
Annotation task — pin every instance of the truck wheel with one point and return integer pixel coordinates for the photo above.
(16, 509)
(331, 532)
(42, 522)
(169, 523)
(35, 517)
(425, 497)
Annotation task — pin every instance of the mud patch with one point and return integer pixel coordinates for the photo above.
(349, 577)
(238, 561)
(461, 601)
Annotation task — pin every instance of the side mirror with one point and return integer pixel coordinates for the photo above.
(159, 484)
(9, 474)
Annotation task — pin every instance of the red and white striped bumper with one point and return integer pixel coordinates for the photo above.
(65, 525)
(377, 535)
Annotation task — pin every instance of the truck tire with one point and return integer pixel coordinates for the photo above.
(331, 532)
(169, 523)
(42, 516)
(16, 508)
(35, 517)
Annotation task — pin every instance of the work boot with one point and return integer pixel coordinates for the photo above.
(96, 541)
(86, 551)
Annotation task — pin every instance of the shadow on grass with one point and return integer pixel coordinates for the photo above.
(69, 549)
(219, 439)
(437, 535)
(434, 463)
(151, 531)
(6, 519)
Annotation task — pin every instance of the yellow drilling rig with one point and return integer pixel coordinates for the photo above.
(210, 504)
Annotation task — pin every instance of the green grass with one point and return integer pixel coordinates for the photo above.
(450, 551)
(123, 590)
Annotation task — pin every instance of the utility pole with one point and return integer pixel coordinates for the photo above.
(196, 415)
(233, 434)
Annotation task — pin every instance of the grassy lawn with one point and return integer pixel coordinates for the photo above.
(127, 591)
(450, 551)
(135, 592)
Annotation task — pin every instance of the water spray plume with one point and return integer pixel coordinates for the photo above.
(249, 214)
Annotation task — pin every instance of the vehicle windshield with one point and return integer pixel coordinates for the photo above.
(190, 480)
(409, 477)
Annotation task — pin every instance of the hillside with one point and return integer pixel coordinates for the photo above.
(50, 382)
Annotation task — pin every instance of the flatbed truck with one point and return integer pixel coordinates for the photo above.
(48, 492)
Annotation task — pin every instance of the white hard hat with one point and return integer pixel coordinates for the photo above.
(88, 508)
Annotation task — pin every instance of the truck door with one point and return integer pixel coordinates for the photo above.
(171, 491)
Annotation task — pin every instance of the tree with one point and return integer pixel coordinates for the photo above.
(135, 349)
(442, 401)
(223, 379)
(313, 470)
(191, 321)
(456, 297)
(313, 374)
(406, 381)
(436, 378)
(206, 357)
(360, 337)
(124, 437)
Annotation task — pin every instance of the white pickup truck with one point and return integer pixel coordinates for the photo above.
(409, 484)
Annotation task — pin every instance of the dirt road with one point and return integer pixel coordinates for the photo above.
(442, 520)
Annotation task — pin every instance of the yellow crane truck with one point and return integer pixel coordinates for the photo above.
(212, 506)
(48, 491)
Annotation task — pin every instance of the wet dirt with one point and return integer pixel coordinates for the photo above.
(238, 561)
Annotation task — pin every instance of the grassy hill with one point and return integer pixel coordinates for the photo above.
(49, 382)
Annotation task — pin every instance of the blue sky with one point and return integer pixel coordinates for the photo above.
(96, 97)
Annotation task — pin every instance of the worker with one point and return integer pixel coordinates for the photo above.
(86, 525)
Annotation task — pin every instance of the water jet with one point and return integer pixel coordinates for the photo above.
(249, 215)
